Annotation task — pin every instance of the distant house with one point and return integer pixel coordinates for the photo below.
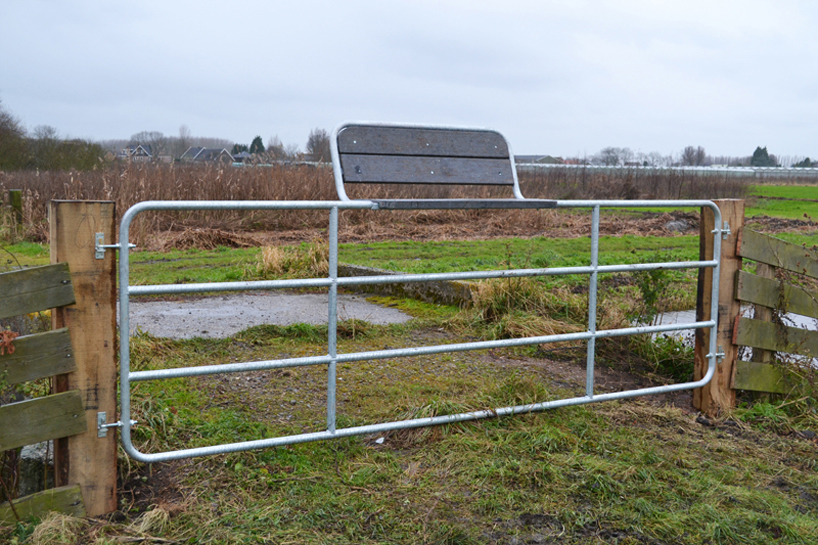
(140, 152)
(197, 154)
(242, 157)
(542, 159)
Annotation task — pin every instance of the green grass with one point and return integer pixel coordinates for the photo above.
(783, 209)
(193, 265)
(797, 208)
(785, 191)
(23, 254)
(620, 472)
(539, 252)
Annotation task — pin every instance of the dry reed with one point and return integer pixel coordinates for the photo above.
(128, 184)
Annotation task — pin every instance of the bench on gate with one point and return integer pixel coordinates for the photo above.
(366, 153)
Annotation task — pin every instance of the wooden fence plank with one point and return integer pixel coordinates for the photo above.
(86, 459)
(762, 312)
(66, 499)
(34, 289)
(41, 419)
(38, 356)
(765, 377)
(778, 253)
(778, 338)
(775, 294)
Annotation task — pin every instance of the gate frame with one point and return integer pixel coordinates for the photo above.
(332, 282)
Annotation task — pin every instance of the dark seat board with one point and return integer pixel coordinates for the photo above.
(375, 140)
(425, 170)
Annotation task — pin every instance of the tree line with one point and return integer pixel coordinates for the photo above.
(689, 156)
(44, 149)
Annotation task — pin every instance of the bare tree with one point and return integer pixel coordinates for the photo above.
(693, 156)
(44, 145)
(182, 143)
(156, 140)
(656, 159)
(612, 156)
(607, 156)
(12, 141)
(318, 146)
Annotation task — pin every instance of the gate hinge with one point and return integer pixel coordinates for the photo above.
(102, 426)
(719, 354)
(100, 246)
(725, 231)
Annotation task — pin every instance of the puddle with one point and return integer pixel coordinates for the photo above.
(225, 315)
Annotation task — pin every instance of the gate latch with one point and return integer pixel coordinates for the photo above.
(100, 246)
(102, 427)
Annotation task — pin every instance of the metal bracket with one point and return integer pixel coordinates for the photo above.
(725, 231)
(100, 246)
(719, 354)
(102, 427)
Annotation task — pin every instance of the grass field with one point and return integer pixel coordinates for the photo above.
(788, 201)
(645, 471)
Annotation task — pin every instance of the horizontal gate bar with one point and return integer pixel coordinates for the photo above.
(414, 423)
(162, 289)
(242, 367)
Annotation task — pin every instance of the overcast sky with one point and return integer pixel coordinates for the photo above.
(560, 77)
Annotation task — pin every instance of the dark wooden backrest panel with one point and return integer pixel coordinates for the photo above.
(408, 155)
(377, 140)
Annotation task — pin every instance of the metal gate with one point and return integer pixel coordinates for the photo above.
(332, 358)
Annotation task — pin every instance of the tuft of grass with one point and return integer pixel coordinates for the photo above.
(517, 307)
(304, 261)
(57, 529)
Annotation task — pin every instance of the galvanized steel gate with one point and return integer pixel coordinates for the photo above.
(332, 358)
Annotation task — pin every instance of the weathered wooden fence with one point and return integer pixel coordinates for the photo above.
(764, 332)
(773, 298)
(78, 353)
(34, 357)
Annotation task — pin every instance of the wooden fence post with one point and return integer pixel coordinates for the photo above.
(86, 459)
(718, 395)
(16, 202)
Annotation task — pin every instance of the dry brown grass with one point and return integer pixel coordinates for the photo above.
(631, 184)
(207, 239)
(308, 260)
(128, 184)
